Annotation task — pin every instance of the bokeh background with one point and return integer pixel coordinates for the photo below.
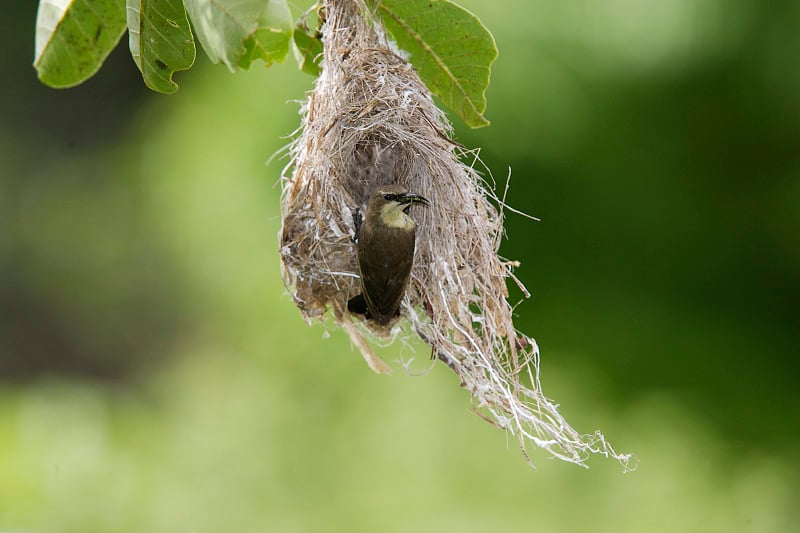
(154, 375)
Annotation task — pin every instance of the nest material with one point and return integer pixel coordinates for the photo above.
(370, 121)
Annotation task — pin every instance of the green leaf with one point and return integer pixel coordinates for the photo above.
(308, 41)
(270, 41)
(160, 40)
(237, 31)
(74, 37)
(450, 48)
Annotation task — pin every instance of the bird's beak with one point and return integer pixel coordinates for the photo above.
(411, 198)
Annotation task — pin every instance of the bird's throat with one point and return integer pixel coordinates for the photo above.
(393, 216)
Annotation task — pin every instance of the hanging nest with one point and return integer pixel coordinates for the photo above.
(371, 121)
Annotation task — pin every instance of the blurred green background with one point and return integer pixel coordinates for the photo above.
(155, 376)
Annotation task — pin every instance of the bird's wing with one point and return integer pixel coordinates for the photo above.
(384, 276)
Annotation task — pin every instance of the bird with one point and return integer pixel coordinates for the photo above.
(385, 242)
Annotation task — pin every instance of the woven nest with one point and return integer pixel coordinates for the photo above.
(370, 121)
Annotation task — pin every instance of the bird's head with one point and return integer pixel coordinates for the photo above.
(391, 203)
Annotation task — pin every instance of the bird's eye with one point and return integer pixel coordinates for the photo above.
(388, 197)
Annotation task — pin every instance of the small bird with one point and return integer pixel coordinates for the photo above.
(385, 243)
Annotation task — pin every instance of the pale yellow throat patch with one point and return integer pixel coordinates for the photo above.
(393, 216)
